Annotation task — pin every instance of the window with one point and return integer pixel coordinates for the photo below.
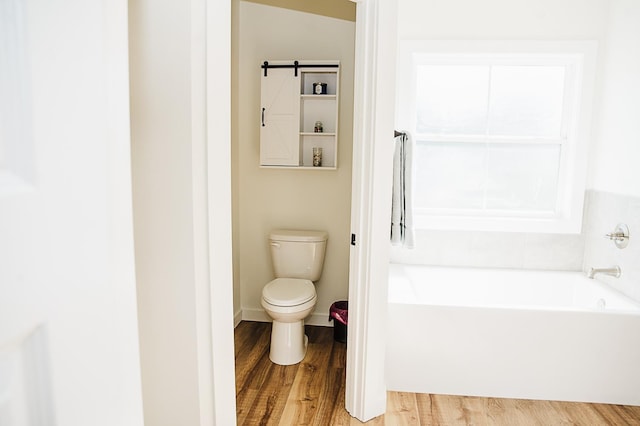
(501, 133)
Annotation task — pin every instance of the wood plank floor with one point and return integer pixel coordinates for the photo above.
(312, 393)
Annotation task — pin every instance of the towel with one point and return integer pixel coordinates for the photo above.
(402, 233)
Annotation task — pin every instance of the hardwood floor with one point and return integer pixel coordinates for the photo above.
(312, 393)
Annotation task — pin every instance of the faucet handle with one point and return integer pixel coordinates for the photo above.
(620, 236)
(617, 236)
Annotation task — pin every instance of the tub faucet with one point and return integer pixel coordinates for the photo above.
(614, 271)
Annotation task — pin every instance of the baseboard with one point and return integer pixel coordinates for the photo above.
(255, 315)
(237, 318)
(317, 319)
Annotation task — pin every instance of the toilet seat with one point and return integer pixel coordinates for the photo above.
(287, 292)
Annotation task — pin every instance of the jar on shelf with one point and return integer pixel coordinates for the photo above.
(320, 88)
(317, 128)
(317, 157)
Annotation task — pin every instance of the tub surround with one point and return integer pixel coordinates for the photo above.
(555, 252)
(561, 252)
(605, 211)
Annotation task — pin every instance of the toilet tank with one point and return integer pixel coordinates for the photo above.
(298, 254)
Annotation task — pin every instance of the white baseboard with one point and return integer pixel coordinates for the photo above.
(252, 314)
(237, 318)
(255, 315)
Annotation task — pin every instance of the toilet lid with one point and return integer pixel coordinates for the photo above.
(288, 291)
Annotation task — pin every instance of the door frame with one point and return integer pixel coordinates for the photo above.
(374, 100)
(374, 112)
(212, 196)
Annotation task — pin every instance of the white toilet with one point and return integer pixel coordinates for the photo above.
(297, 258)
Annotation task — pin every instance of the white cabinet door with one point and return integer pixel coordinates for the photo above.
(68, 328)
(280, 118)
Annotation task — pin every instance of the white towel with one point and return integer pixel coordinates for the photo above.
(401, 204)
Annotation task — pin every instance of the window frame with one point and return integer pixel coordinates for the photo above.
(579, 60)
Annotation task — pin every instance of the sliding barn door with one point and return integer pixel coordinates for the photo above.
(280, 118)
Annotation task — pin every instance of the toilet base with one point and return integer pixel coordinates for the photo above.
(288, 342)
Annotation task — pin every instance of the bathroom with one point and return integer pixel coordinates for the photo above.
(266, 199)
(178, 95)
(610, 193)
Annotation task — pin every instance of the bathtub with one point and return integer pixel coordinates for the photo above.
(511, 334)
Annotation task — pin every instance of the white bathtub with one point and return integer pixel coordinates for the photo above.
(511, 334)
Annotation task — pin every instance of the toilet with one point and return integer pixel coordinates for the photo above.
(298, 257)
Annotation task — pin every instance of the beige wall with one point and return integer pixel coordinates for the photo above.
(341, 9)
(265, 199)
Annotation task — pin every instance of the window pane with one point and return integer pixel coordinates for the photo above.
(523, 177)
(526, 100)
(452, 99)
(449, 175)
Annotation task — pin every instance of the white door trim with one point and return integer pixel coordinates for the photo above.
(374, 100)
(217, 395)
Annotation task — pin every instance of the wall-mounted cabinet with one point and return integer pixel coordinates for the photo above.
(299, 114)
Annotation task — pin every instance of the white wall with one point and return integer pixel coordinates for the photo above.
(502, 19)
(615, 174)
(617, 149)
(162, 143)
(498, 20)
(275, 198)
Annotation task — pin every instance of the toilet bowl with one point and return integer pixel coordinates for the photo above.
(297, 257)
(288, 301)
